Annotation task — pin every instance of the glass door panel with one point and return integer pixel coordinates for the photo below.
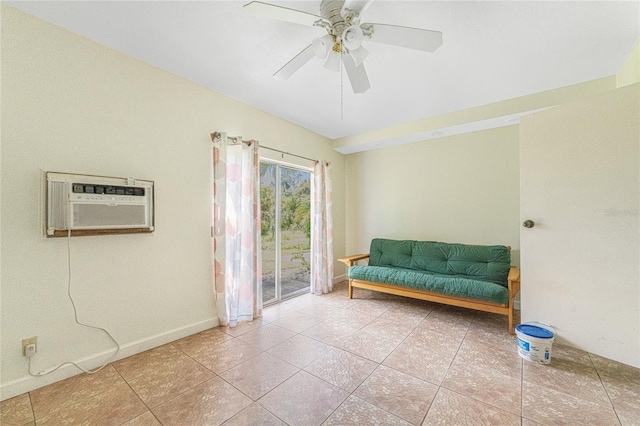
(268, 224)
(295, 230)
(285, 203)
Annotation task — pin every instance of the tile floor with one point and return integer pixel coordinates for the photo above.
(328, 360)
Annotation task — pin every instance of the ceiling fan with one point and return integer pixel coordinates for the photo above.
(344, 38)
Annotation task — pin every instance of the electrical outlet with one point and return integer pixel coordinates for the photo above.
(30, 341)
(30, 350)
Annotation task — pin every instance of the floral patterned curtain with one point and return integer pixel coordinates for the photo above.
(236, 210)
(321, 231)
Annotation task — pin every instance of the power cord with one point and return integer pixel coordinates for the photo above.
(75, 314)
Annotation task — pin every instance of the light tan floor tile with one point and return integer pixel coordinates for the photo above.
(226, 355)
(145, 419)
(210, 403)
(485, 319)
(342, 369)
(485, 385)
(300, 302)
(16, 411)
(453, 315)
(147, 362)
(300, 350)
(625, 396)
(274, 313)
(112, 404)
(405, 312)
(494, 323)
(303, 400)
(398, 393)
(353, 319)
(566, 355)
(297, 322)
(421, 358)
(267, 336)
(161, 374)
(486, 357)
(391, 329)
(356, 412)
(195, 343)
(451, 408)
(498, 338)
(329, 332)
(254, 415)
(259, 375)
(442, 343)
(548, 406)
(340, 300)
(445, 324)
(321, 310)
(608, 367)
(577, 380)
(244, 327)
(82, 386)
(370, 307)
(369, 345)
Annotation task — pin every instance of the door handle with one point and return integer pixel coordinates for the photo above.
(528, 224)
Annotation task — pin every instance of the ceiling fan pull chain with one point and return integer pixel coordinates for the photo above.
(341, 91)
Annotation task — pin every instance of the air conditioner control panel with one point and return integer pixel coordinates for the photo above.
(86, 188)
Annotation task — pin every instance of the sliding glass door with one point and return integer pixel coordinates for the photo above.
(285, 207)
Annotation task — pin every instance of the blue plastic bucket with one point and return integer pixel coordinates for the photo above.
(534, 342)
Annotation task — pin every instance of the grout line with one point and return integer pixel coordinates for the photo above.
(135, 393)
(33, 413)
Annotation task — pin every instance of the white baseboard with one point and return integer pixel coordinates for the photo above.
(339, 278)
(29, 383)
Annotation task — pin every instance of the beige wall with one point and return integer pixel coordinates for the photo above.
(459, 189)
(72, 105)
(629, 72)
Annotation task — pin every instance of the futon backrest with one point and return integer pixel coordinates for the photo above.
(485, 263)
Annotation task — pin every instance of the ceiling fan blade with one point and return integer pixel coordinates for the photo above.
(271, 11)
(358, 6)
(357, 74)
(295, 64)
(412, 38)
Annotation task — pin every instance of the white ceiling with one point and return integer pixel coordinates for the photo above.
(492, 51)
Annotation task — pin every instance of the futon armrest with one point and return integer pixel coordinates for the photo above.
(351, 260)
(514, 274)
(514, 285)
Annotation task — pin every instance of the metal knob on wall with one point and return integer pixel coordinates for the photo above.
(528, 224)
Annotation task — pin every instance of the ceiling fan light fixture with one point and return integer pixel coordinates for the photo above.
(322, 45)
(359, 55)
(333, 61)
(352, 37)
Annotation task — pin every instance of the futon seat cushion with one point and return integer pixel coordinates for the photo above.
(438, 283)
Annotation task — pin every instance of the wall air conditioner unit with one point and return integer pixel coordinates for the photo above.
(93, 205)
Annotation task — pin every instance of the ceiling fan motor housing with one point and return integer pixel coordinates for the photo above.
(330, 10)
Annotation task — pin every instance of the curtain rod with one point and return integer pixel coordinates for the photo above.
(235, 141)
(288, 153)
